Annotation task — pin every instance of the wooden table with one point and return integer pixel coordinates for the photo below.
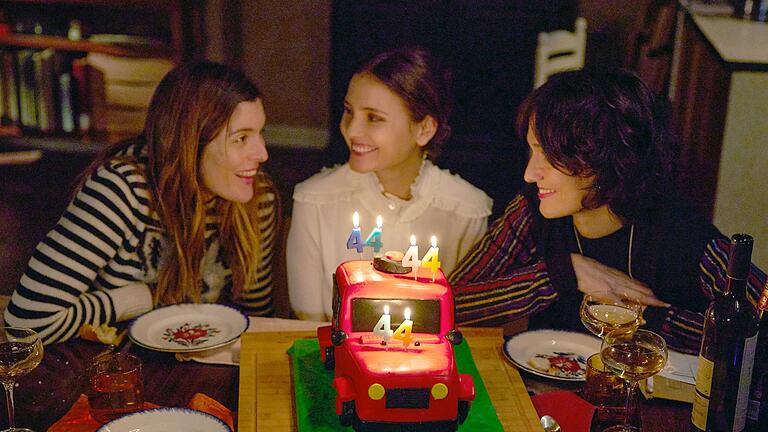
(49, 391)
(46, 394)
(265, 381)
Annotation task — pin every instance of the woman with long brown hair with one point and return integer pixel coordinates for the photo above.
(181, 213)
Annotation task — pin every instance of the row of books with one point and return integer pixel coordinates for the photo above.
(62, 92)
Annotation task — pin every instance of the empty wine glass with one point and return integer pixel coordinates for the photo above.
(633, 355)
(602, 316)
(20, 351)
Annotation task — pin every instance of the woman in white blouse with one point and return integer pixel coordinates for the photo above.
(396, 114)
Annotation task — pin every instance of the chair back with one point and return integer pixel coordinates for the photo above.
(560, 51)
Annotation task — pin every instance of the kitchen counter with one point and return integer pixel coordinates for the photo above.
(741, 42)
(719, 93)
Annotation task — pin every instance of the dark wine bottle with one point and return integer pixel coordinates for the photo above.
(727, 349)
(757, 416)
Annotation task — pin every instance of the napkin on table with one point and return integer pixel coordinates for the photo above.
(573, 413)
(676, 381)
(230, 354)
(78, 419)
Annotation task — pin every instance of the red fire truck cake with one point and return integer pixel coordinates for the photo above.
(391, 347)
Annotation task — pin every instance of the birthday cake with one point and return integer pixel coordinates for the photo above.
(391, 347)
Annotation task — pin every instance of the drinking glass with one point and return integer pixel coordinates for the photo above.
(604, 390)
(633, 355)
(602, 316)
(115, 385)
(20, 351)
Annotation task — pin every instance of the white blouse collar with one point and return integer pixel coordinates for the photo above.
(373, 197)
(416, 187)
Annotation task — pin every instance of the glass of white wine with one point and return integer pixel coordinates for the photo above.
(602, 316)
(20, 351)
(633, 355)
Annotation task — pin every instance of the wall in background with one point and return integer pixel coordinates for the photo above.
(285, 47)
(286, 50)
(608, 27)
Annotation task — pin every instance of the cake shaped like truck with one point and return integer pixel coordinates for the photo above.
(410, 380)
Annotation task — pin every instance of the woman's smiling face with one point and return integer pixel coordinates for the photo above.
(560, 194)
(232, 159)
(379, 129)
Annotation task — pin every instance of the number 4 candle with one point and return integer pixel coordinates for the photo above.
(355, 240)
(383, 327)
(430, 259)
(403, 332)
(411, 257)
(374, 238)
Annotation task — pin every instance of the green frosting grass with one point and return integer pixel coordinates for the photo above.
(316, 398)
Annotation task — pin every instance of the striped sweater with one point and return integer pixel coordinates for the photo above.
(521, 267)
(99, 262)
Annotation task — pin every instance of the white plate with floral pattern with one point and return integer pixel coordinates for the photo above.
(560, 355)
(166, 419)
(188, 327)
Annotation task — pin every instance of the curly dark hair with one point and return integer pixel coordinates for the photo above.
(609, 125)
(421, 82)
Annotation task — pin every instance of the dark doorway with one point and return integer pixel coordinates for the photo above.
(489, 46)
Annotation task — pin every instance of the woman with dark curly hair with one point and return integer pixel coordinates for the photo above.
(599, 218)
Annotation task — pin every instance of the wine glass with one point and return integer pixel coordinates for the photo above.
(633, 355)
(602, 315)
(20, 351)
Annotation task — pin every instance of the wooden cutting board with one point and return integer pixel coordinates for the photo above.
(266, 390)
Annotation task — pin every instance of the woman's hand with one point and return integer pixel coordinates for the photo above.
(599, 280)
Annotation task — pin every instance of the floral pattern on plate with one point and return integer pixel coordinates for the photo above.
(189, 335)
(555, 354)
(562, 364)
(188, 327)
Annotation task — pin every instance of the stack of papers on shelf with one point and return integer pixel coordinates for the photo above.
(710, 8)
(128, 86)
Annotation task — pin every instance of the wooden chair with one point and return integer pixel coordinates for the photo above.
(560, 51)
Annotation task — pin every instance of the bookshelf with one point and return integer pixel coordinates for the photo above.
(63, 44)
(73, 73)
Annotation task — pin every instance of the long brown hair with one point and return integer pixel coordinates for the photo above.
(190, 106)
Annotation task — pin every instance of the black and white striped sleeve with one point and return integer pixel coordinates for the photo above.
(62, 287)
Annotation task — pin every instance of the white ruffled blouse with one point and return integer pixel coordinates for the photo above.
(442, 204)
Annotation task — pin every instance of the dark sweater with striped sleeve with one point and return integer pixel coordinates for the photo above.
(522, 267)
(98, 263)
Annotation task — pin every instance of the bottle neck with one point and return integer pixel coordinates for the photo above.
(739, 265)
(736, 288)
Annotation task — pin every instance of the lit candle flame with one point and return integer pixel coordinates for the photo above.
(356, 220)
(407, 314)
(434, 241)
(413, 240)
(379, 221)
(386, 309)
